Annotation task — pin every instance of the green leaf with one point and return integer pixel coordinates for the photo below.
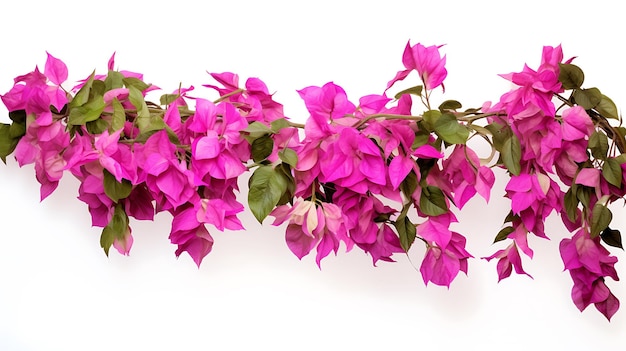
(583, 194)
(512, 154)
(607, 108)
(135, 83)
(18, 116)
(257, 129)
(119, 115)
(612, 172)
(433, 201)
(421, 138)
(90, 111)
(285, 171)
(450, 105)
(98, 126)
(114, 189)
(599, 145)
(262, 148)
(571, 76)
(416, 90)
(82, 96)
(500, 134)
(116, 229)
(17, 130)
(279, 124)
(167, 99)
(406, 231)
(612, 237)
(7, 143)
(571, 204)
(266, 189)
(450, 130)
(503, 234)
(601, 217)
(587, 98)
(146, 121)
(288, 156)
(429, 119)
(409, 184)
(114, 80)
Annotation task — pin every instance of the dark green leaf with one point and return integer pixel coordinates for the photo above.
(98, 126)
(433, 201)
(601, 217)
(285, 171)
(583, 194)
(607, 108)
(512, 154)
(409, 184)
(406, 232)
(17, 130)
(18, 116)
(503, 234)
(571, 76)
(262, 148)
(599, 145)
(612, 237)
(416, 90)
(266, 189)
(612, 172)
(450, 105)
(7, 143)
(587, 98)
(511, 217)
(571, 204)
(114, 189)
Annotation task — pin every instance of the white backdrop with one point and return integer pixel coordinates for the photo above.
(58, 291)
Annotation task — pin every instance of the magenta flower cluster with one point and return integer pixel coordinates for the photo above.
(377, 173)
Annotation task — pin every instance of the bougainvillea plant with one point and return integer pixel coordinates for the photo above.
(377, 173)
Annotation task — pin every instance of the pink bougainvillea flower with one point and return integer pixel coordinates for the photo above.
(353, 161)
(222, 214)
(576, 124)
(55, 70)
(524, 190)
(167, 178)
(91, 192)
(190, 235)
(312, 225)
(428, 63)
(589, 263)
(508, 259)
(441, 266)
(467, 176)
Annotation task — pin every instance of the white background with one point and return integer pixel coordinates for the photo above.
(58, 291)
